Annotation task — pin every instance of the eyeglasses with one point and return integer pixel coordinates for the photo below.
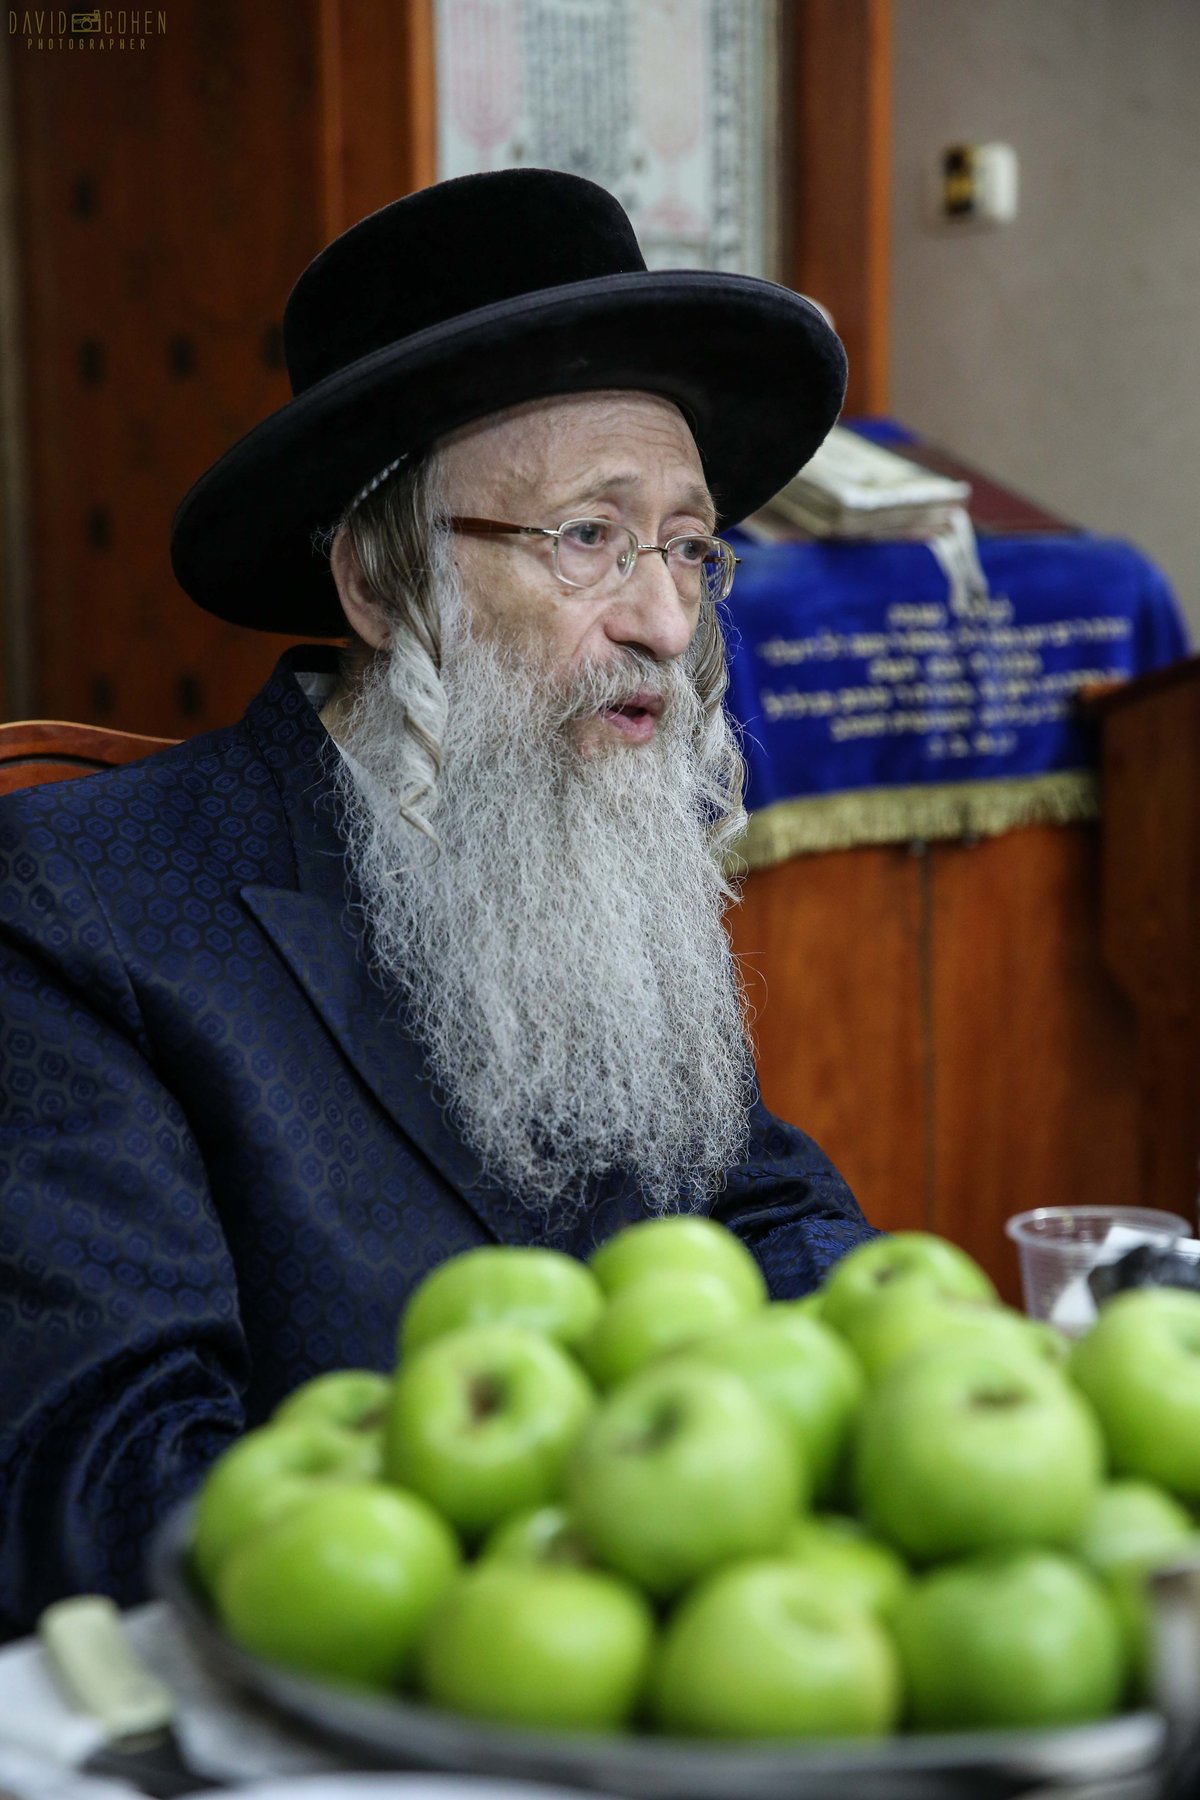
(586, 551)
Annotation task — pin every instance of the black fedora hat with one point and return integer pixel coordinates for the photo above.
(467, 297)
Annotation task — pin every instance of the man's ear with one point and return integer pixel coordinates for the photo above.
(359, 602)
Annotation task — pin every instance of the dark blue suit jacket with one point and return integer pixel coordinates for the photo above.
(222, 1166)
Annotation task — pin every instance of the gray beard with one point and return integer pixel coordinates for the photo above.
(561, 947)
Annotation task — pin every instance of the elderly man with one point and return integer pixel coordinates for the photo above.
(428, 950)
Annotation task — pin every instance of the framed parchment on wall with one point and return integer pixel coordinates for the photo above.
(673, 105)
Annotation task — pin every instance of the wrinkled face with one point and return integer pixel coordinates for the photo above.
(628, 457)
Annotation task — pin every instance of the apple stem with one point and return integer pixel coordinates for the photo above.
(659, 1430)
(996, 1399)
(486, 1394)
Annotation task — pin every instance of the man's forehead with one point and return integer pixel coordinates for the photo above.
(568, 446)
(606, 480)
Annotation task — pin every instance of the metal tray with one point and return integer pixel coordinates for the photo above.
(403, 1734)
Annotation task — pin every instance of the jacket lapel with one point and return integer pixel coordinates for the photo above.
(314, 930)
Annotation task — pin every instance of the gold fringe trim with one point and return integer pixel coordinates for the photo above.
(896, 815)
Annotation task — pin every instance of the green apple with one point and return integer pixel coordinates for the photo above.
(555, 1648)
(763, 1650)
(1129, 1522)
(1009, 1638)
(264, 1474)
(682, 1243)
(908, 1259)
(809, 1305)
(651, 1317)
(961, 1449)
(503, 1284)
(840, 1554)
(343, 1585)
(540, 1534)
(683, 1467)
(1139, 1365)
(803, 1370)
(352, 1400)
(902, 1320)
(481, 1422)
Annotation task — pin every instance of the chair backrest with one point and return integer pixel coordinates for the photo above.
(36, 750)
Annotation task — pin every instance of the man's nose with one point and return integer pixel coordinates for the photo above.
(648, 611)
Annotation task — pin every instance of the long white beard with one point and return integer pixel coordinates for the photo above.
(561, 947)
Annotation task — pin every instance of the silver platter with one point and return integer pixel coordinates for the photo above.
(1118, 1755)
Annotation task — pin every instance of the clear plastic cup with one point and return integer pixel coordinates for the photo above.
(1058, 1245)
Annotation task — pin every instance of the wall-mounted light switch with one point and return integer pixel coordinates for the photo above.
(977, 184)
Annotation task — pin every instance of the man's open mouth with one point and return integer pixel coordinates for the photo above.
(642, 705)
(635, 718)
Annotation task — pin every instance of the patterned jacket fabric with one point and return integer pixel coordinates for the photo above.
(222, 1164)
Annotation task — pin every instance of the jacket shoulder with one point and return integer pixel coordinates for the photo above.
(209, 799)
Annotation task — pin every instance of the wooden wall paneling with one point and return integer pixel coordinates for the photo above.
(1033, 1091)
(16, 566)
(834, 219)
(378, 126)
(1151, 902)
(830, 947)
(167, 199)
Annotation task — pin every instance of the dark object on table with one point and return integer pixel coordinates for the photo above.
(1148, 1265)
(103, 1677)
(159, 1769)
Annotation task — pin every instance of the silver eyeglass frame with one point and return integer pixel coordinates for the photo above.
(624, 565)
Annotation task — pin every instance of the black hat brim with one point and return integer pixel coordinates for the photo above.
(755, 368)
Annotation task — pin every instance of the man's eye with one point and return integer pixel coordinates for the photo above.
(691, 550)
(588, 534)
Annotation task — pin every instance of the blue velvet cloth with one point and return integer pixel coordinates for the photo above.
(851, 670)
(222, 1165)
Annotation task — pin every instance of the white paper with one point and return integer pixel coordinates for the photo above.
(1075, 1308)
(860, 476)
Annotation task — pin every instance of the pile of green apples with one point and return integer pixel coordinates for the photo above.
(636, 1494)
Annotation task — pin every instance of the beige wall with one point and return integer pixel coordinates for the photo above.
(1062, 352)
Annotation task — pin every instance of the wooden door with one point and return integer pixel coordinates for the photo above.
(166, 199)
